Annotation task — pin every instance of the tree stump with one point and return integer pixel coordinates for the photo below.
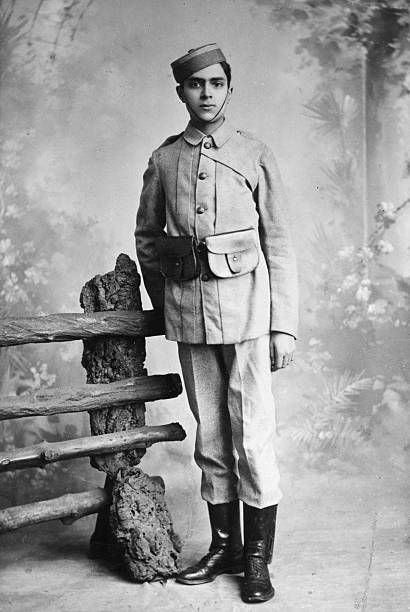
(108, 359)
(143, 528)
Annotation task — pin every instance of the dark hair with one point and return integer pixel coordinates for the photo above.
(227, 70)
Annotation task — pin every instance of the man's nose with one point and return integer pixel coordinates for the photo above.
(206, 91)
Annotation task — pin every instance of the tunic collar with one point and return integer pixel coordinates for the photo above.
(194, 136)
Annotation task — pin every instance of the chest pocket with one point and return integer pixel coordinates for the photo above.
(233, 254)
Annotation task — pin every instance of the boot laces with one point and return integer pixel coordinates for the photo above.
(209, 555)
(257, 567)
(213, 552)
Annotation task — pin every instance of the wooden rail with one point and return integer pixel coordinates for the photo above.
(113, 328)
(77, 326)
(45, 402)
(41, 454)
(67, 508)
(115, 396)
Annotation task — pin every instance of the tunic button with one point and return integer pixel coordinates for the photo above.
(205, 277)
(207, 144)
(200, 210)
(202, 175)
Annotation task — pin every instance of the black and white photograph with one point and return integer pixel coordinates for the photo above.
(204, 305)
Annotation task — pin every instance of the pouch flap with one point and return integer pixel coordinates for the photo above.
(235, 262)
(174, 246)
(232, 242)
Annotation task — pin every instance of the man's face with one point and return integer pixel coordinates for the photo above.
(204, 92)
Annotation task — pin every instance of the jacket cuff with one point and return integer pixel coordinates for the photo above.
(280, 331)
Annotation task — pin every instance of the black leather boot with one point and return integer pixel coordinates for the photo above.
(225, 554)
(259, 531)
(271, 536)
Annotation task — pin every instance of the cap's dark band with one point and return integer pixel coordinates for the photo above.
(182, 71)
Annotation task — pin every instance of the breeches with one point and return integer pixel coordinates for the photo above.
(229, 393)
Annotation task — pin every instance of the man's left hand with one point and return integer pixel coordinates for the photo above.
(282, 348)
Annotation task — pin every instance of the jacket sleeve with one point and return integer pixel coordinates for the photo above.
(151, 221)
(274, 231)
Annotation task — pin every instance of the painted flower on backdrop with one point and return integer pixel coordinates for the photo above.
(349, 281)
(346, 252)
(378, 310)
(386, 213)
(382, 247)
(364, 254)
(364, 291)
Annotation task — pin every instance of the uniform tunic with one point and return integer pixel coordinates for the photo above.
(204, 185)
(198, 185)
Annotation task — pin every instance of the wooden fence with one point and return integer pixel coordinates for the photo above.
(114, 325)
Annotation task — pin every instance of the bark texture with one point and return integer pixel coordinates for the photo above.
(39, 455)
(109, 359)
(62, 327)
(142, 527)
(137, 530)
(82, 398)
(67, 508)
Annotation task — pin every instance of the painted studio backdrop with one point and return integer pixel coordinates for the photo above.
(86, 94)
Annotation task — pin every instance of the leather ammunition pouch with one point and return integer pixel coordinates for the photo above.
(233, 253)
(178, 258)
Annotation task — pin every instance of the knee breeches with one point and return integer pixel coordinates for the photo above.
(229, 392)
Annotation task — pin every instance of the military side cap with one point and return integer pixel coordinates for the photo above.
(195, 60)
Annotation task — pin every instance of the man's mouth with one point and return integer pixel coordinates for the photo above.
(207, 106)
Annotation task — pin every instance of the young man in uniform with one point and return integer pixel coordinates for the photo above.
(224, 275)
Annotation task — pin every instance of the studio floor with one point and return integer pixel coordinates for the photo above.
(343, 543)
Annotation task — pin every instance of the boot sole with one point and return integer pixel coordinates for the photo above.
(233, 570)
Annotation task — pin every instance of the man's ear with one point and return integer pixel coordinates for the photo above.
(229, 94)
(180, 93)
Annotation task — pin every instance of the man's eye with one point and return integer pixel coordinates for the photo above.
(219, 84)
(194, 83)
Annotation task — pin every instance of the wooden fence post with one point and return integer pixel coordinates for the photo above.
(150, 553)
